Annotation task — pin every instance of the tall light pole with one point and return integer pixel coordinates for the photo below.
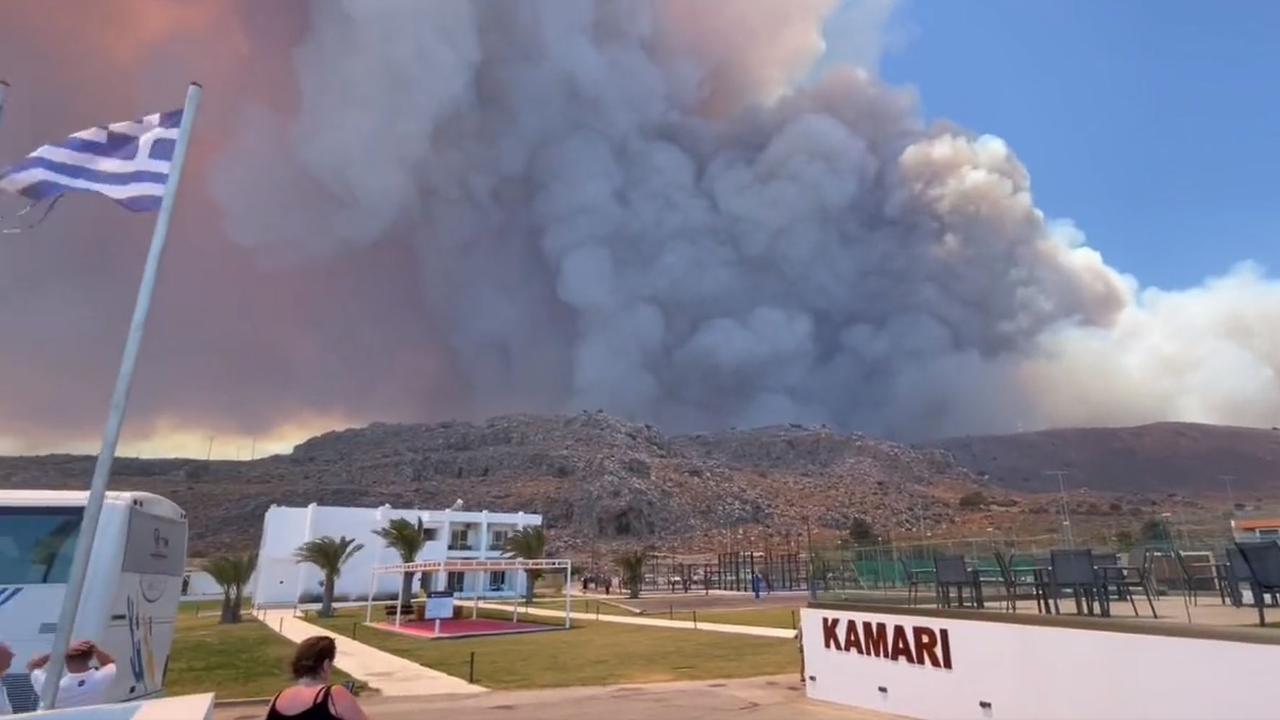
(1066, 511)
(1231, 497)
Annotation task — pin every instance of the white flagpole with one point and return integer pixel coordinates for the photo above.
(115, 416)
(4, 90)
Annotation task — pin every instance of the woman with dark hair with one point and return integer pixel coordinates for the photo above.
(312, 697)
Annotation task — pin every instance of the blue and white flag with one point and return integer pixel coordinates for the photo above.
(128, 162)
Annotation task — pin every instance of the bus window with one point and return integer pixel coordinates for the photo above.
(36, 544)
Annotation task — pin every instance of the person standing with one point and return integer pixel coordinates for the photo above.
(755, 584)
(83, 684)
(800, 644)
(311, 697)
(6, 659)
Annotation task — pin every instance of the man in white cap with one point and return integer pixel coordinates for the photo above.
(83, 684)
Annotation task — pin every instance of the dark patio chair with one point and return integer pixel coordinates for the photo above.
(916, 576)
(1015, 578)
(1189, 577)
(1263, 560)
(1236, 573)
(952, 573)
(1106, 559)
(1126, 579)
(1074, 570)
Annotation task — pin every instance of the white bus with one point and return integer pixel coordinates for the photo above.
(130, 603)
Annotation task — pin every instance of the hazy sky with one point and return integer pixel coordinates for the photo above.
(674, 210)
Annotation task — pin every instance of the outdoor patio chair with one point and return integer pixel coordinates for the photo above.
(1237, 572)
(914, 580)
(1126, 579)
(1015, 578)
(952, 573)
(1074, 570)
(1263, 560)
(1189, 576)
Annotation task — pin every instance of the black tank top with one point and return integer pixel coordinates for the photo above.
(319, 709)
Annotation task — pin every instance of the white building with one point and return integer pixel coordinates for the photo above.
(199, 586)
(451, 534)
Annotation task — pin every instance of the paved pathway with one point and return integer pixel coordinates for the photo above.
(767, 698)
(656, 622)
(390, 674)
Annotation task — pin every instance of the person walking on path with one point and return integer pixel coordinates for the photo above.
(755, 584)
(83, 684)
(311, 697)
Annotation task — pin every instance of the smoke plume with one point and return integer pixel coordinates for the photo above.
(652, 207)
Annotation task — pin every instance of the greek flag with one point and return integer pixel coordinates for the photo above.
(128, 162)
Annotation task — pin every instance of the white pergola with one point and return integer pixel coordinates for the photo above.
(470, 566)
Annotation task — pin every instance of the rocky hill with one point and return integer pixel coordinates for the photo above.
(1161, 458)
(601, 480)
(595, 478)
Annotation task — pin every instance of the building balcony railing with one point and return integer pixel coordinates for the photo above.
(461, 546)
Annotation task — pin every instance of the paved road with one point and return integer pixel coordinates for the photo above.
(391, 675)
(775, 698)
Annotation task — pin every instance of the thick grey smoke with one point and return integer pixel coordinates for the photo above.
(685, 211)
(636, 206)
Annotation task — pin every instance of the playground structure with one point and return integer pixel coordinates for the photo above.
(449, 624)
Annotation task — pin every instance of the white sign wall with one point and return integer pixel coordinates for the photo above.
(941, 668)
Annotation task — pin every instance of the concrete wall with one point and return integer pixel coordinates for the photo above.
(1029, 671)
(200, 586)
(282, 580)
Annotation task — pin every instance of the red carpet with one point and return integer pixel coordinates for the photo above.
(463, 627)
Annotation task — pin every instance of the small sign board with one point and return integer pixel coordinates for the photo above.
(439, 605)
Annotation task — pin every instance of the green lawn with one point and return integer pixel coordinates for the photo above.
(762, 617)
(234, 661)
(592, 653)
(210, 607)
(582, 605)
(757, 617)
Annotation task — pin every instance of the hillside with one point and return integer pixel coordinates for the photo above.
(1160, 458)
(596, 479)
(601, 480)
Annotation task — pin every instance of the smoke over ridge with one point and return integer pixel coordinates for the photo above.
(653, 207)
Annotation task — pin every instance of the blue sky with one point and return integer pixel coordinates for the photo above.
(1154, 125)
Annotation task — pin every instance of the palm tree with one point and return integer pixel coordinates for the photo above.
(632, 564)
(329, 555)
(232, 573)
(405, 538)
(528, 543)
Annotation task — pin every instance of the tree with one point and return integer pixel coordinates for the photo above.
(862, 532)
(232, 573)
(528, 543)
(1124, 540)
(1154, 531)
(974, 499)
(329, 555)
(407, 540)
(632, 563)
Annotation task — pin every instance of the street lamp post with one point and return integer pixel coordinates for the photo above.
(1066, 510)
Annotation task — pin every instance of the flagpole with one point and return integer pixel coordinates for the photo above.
(115, 416)
(4, 90)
